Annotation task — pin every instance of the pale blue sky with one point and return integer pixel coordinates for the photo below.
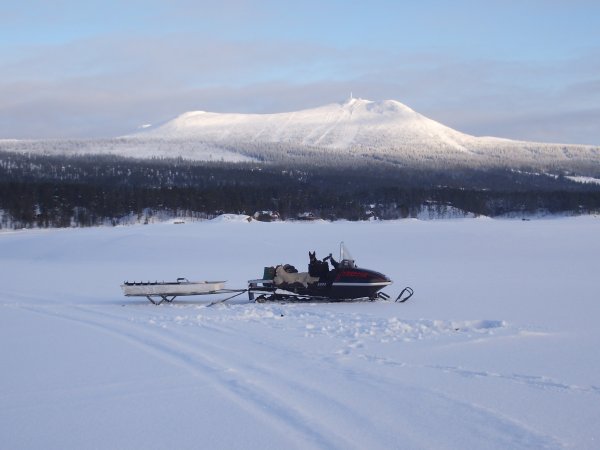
(517, 69)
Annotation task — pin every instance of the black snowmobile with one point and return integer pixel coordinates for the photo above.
(343, 282)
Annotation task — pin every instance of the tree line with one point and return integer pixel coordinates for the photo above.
(61, 191)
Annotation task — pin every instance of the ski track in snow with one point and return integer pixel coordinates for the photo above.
(535, 381)
(274, 395)
(356, 330)
(206, 367)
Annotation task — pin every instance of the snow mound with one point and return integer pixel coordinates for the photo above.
(311, 322)
(239, 218)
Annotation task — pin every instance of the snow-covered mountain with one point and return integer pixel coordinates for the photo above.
(354, 123)
(384, 131)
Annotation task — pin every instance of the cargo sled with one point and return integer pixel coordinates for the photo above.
(157, 292)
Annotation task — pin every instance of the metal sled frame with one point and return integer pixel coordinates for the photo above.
(163, 298)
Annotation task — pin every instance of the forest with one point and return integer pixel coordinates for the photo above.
(87, 190)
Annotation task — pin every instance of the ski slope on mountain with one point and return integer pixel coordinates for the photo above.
(129, 148)
(496, 350)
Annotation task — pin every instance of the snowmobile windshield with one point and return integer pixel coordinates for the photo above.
(346, 259)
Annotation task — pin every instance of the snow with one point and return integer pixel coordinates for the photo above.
(232, 218)
(336, 125)
(496, 350)
(129, 148)
(584, 179)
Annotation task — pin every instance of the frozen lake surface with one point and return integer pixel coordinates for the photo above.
(498, 348)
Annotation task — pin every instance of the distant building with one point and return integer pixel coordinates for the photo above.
(307, 216)
(266, 216)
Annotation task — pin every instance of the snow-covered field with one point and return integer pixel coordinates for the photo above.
(498, 349)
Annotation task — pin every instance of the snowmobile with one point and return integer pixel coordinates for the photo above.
(343, 282)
